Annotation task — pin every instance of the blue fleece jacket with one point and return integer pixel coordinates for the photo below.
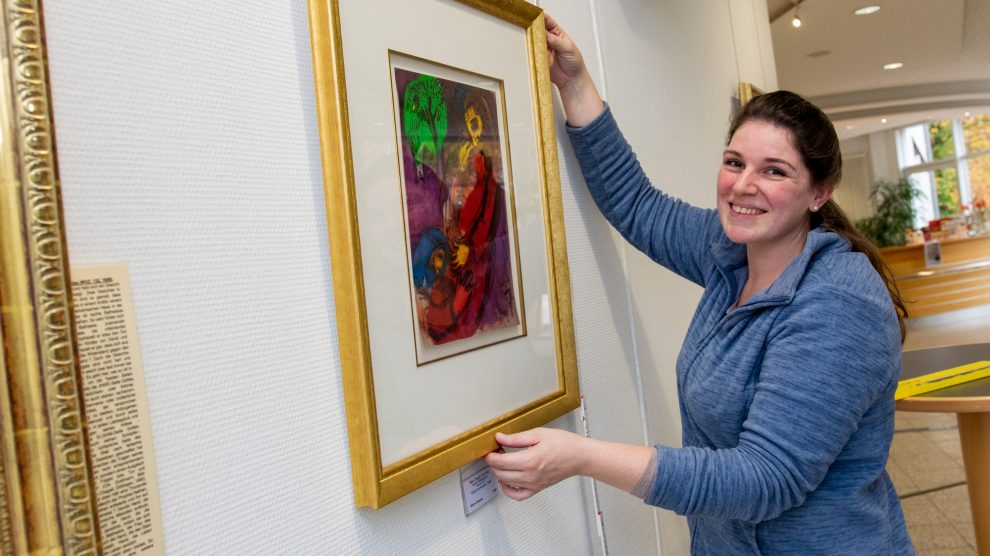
(786, 401)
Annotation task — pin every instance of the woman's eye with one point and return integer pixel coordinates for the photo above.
(775, 172)
(733, 163)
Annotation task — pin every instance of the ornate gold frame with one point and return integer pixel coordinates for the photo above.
(747, 92)
(374, 485)
(48, 503)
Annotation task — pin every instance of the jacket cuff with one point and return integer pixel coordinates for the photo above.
(645, 485)
(675, 473)
(603, 120)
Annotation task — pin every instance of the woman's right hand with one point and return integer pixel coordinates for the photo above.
(578, 94)
(566, 62)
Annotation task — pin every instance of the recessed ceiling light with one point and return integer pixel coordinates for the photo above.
(867, 10)
(965, 114)
(850, 126)
(883, 120)
(893, 66)
(796, 22)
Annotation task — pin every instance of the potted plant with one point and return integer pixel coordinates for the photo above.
(894, 213)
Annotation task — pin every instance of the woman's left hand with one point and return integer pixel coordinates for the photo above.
(548, 457)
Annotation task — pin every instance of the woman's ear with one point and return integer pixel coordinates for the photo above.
(822, 195)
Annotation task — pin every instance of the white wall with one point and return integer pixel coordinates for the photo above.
(853, 192)
(866, 160)
(883, 151)
(188, 149)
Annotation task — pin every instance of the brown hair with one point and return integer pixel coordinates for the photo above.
(814, 137)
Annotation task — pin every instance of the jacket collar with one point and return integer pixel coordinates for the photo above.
(730, 258)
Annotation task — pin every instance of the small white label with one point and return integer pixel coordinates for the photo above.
(933, 253)
(478, 486)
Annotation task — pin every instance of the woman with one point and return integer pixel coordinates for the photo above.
(787, 373)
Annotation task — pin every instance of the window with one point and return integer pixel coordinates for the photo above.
(976, 135)
(948, 162)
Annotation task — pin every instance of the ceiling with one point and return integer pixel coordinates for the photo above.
(836, 59)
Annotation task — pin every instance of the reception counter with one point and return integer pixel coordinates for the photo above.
(960, 280)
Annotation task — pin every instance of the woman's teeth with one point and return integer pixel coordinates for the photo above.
(744, 210)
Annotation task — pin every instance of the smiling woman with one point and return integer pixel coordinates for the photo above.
(765, 199)
(802, 125)
(787, 374)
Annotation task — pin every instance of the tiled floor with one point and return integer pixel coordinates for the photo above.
(925, 458)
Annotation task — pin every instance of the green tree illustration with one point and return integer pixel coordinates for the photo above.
(424, 116)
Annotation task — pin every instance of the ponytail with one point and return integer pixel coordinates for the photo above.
(833, 219)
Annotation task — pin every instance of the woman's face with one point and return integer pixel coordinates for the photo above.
(764, 189)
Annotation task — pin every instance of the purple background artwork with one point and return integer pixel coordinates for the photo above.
(455, 207)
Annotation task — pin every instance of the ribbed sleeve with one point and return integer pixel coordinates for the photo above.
(668, 230)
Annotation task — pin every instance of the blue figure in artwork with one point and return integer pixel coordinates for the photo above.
(430, 258)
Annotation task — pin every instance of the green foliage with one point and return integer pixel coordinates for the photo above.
(979, 178)
(976, 130)
(893, 202)
(942, 144)
(947, 187)
(424, 115)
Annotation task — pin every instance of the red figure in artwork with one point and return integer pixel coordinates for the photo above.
(456, 300)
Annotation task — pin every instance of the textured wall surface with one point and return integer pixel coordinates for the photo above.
(602, 313)
(188, 150)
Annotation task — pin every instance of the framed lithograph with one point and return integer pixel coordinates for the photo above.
(446, 231)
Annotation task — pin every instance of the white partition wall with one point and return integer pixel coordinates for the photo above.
(188, 150)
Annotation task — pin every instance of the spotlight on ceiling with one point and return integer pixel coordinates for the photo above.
(883, 120)
(796, 22)
(867, 10)
(893, 66)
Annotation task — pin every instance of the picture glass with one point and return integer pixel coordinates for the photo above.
(460, 231)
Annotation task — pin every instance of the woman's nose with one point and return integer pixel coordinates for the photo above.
(745, 184)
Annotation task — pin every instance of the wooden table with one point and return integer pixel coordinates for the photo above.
(971, 404)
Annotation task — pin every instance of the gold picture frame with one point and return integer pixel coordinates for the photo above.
(47, 501)
(747, 92)
(356, 122)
